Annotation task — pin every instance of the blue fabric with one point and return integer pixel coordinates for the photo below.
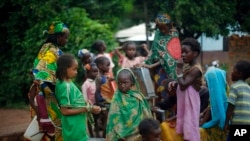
(216, 82)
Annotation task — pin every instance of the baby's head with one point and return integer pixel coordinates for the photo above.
(150, 129)
(125, 80)
(85, 56)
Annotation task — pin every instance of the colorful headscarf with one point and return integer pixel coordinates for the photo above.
(163, 19)
(82, 52)
(57, 27)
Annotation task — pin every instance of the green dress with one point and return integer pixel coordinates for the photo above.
(74, 127)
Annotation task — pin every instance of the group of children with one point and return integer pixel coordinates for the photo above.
(117, 103)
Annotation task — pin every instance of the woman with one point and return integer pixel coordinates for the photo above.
(44, 73)
(165, 51)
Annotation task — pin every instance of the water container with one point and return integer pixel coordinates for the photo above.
(33, 133)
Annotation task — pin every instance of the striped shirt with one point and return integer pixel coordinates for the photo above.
(239, 96)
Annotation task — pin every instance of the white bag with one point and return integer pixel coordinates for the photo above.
(33, 133)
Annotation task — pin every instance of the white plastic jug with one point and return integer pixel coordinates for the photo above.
(32, 133)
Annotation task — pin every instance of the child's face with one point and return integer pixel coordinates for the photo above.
(105, 66)
(154, 135)
(86, 59)
(124, 82)
(72, 70)
(187, 54)
(131, 51)
(93, 72)
(235, 75)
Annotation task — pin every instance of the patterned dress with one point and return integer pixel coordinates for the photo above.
(44, 71)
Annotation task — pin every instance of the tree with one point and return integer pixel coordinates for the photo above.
(194, 17)
(21, 38)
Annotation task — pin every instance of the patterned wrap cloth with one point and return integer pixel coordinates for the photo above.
(44, 69)
(127, 110)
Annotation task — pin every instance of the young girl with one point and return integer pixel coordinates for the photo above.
(239, 95)
(105, 87)
(189, 78)
(128, 108)
(150, 130)
(73, 106)
(130, 59)
(89, 86)
(100, 47)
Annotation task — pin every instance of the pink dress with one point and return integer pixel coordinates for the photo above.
(126, 63)
(88, 90)
(188, 111)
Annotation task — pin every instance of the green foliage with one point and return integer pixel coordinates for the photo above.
(22, 37)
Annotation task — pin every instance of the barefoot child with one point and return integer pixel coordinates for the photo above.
(73, 106)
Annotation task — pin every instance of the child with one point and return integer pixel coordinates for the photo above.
(73, 106)
(105, 87)
(128, 108)
(239, 95)
(100, 47)
(189, 78)
(150, 130)
(89, 86)
(85, 58)
(130, 59)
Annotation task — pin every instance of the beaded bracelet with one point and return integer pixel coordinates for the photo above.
(180, 75)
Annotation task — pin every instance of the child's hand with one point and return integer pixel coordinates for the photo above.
(96, 109)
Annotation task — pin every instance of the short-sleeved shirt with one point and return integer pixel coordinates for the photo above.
(88, 89)
(74, 126)
(126, 63)
(239, 96)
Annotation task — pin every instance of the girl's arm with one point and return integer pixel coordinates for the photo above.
(184, 82)
(72, 111)
(117, 51)
(149, 66)
(145, 47)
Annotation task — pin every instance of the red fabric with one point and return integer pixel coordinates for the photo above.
(174, 48)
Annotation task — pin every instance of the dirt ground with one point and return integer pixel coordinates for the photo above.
(13, 123)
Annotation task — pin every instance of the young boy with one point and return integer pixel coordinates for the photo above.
(239, 96)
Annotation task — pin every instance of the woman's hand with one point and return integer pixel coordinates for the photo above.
(96, 109)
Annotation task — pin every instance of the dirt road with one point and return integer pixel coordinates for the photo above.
(13, 123)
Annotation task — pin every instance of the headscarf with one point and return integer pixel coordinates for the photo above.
(57, 27)
(82, 52)
(163, 19)
(126, 112)
(216, 81)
